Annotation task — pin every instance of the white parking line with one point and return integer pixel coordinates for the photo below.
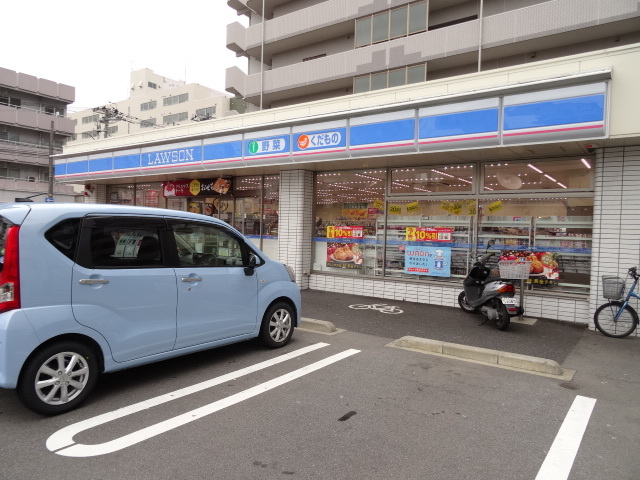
(64, 437)
(557, 465)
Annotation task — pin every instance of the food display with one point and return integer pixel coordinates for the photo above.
(544, 267)
(344, 255)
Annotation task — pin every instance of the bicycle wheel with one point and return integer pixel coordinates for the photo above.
(604, 318)
(360, 306)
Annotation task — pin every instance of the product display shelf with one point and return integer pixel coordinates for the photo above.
(506, 231)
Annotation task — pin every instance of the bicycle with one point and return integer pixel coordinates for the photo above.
(617, 318)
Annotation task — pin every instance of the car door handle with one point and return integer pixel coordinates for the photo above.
(191, 279)
(92, 281)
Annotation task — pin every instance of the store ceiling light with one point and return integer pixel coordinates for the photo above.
(550, 178)
(563, 186)
(535, 168)
(586, 162)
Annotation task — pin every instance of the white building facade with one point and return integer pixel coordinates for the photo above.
(154, 102)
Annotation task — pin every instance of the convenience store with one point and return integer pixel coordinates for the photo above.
(352, 191)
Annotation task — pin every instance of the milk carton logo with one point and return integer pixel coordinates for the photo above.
(272, 145)
(319, 140)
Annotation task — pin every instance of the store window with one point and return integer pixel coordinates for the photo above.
(429, 222)
(560, 174)
(432, 179)
(349, 211)
(142, 194)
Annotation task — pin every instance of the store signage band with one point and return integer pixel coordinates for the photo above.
(559, 119)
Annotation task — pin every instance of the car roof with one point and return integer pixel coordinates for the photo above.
(17, 212)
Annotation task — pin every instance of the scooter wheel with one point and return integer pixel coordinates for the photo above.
(504, 319)
(462, 301)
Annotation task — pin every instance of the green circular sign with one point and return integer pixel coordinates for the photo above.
(253, 147)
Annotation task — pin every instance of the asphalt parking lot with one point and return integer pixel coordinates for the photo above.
(549, 339)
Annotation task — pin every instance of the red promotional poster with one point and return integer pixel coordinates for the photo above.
(544, 268)
(193, 188)
(344, 255)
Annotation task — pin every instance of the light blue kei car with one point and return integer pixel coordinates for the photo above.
(86, 289)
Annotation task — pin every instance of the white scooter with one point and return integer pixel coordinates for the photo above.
(493, 297)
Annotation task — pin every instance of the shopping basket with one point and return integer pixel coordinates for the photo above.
(515, 269)
(613, 287)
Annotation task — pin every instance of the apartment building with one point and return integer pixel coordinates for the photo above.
(154, 102)
(31, 109)
(305, 50)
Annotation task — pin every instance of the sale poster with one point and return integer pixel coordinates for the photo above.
(344, 255)
(433, 261)
(429, 234)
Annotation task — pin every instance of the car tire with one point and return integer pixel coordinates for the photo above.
(277, 325)
(58, 378)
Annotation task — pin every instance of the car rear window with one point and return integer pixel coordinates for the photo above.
(64, 236)
(4, 228)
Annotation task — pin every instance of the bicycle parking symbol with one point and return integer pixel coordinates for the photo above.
(381, 307)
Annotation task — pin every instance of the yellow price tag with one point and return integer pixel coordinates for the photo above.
(395, 209)
(413, 207)
(194, 187)
(379, 204)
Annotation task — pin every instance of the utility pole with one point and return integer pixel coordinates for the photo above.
(51, 161)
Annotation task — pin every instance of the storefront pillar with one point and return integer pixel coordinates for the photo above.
(616, 221)
(296, 222)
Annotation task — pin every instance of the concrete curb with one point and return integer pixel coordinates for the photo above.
(515, 361)
(319, 326)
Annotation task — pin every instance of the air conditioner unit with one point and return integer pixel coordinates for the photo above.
(31, 179)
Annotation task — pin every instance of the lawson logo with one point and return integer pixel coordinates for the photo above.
(319, 140)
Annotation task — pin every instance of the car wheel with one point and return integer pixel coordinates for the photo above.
(277, 325)
(58, 378)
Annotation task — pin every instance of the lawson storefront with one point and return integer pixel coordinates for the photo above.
(393, 201)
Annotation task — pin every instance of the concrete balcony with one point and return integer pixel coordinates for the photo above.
(38, 86)
(336, 17)
(32, 119)
(337, 71)
(236, 38)
(25, 153)
(538, 27)
(19, 185)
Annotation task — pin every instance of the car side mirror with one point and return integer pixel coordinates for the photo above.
(250, 268)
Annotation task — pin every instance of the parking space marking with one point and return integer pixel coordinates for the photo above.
(557, 465)
(64, 437)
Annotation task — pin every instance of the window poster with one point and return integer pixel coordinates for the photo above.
(433, 261)
(344, 255)
(544, 269)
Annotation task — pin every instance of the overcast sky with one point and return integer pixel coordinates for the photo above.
(94, 46)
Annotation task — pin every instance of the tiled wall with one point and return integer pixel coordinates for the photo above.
(616, 222)
(539, 306)
(296, 222)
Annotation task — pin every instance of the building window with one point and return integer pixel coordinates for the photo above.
(94, 134)
(10, 136)
(175, 118)
(90, 119)
(208, 112)
(152, 85)
(390, 78)
(148, 106)
(147, 123)
(399, 22)
(112, 130)
(175, 99)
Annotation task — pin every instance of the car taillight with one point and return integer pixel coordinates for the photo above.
(507, 288)
(10, 274)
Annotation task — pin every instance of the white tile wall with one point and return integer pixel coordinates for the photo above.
(295, 227)
(616, 221)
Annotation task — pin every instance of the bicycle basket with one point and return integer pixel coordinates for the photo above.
(515, 269)
(613, 287)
